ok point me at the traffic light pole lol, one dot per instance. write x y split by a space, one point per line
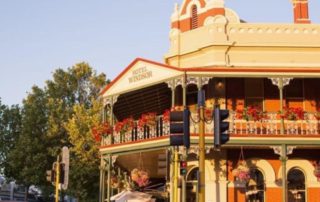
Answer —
201 192
183 174
57 179
185 153
176 174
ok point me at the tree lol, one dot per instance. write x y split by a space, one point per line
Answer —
28 157
85 155
47 117
10 128
73 108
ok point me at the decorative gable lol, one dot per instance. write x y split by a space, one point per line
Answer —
139 74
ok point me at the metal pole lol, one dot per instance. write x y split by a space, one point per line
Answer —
280 86
109 178
185 154
283 159
175 178
171 174
173 94
201 153
173 182
102 178
57 179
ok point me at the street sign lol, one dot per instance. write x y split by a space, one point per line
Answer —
65 161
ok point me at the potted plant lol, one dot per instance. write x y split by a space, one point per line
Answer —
102 130
140 179
241 172
124 126
292 113
251 113
166 116
147 119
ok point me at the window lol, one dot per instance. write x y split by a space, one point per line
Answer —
294 93
192 97
255 186
296 185
194 17
254 92
192 184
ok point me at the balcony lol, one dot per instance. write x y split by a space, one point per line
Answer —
270 125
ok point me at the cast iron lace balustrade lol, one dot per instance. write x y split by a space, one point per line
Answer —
270 125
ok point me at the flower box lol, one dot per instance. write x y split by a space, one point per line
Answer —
292 113
148 119
251 113
102 130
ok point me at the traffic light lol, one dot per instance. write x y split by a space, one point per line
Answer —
179 128
221 127
61 175
183 167
50 175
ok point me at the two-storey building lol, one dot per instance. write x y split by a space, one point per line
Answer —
266 75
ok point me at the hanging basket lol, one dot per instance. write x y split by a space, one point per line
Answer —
242 171
139 176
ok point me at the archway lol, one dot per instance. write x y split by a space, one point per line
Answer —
296 185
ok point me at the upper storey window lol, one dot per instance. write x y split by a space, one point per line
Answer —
194 17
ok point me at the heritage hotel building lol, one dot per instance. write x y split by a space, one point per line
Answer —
268 77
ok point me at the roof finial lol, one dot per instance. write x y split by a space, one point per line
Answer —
176 8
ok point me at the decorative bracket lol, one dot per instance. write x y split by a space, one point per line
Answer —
110 100
278 150
195 150
113 159
172 84
204 80
280 82
192 80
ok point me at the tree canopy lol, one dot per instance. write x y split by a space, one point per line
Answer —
59 114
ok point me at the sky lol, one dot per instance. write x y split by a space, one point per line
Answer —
39 36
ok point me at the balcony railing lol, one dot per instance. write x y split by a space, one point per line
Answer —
271 125
136 134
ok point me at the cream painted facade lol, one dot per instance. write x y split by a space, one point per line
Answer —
225 41
222 49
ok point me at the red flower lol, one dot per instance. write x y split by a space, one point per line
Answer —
254 113
148 119
118 126
292 113
208 113
166 116
101 130
124 125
